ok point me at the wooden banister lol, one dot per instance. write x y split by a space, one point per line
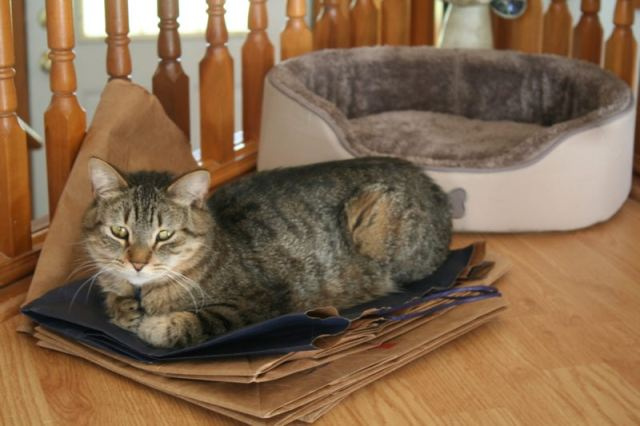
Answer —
422 22
117 25
523 33
170 82
621 48
587 35
15 199
65 121
364 23
257 60
216 89
331 29
395 22
556 35
297 38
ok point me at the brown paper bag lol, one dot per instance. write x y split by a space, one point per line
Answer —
288 399
139 137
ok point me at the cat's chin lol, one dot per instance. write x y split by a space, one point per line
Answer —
139 280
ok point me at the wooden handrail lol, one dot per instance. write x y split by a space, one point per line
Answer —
65 121
557 26
621 48
257 60
15 199
331 29
422 22
587 35
395 22
364 23
170 82
117 26
297 38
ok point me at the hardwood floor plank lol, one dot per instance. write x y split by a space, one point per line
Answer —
567 351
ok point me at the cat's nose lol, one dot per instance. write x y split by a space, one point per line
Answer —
137 266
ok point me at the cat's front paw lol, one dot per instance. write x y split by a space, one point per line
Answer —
176 329
126 313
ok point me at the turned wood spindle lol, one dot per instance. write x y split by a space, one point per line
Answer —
395 23
170 82
257 60
422 22
216 89
587 35
332 28
523 33
364 23
621 48
557 29
117 26
15 199
65 121
297 38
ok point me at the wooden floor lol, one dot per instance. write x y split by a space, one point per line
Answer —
566 352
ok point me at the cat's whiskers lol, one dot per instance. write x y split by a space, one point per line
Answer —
185 283
89 281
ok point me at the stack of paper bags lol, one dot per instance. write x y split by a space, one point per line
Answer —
131 131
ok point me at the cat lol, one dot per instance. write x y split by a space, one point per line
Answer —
176 267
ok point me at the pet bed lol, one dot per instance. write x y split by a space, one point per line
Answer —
530 142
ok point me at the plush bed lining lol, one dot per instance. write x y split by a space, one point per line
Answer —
451 108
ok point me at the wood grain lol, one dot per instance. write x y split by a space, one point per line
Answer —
65 121
216 89
556 36
257 60
117 26
170 82
565 352
524 33
15 197
395 22
296 38
331 29
587 35
422 22
621 49
364 23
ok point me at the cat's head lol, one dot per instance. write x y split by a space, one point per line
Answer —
146 227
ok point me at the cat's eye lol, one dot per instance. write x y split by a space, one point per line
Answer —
120 232
164 235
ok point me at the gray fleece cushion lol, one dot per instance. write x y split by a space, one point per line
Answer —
478 109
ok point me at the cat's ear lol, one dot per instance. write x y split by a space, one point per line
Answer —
191 188
105 179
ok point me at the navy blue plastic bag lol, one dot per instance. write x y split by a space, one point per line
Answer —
85 321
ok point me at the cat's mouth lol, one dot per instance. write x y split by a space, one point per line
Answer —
139 278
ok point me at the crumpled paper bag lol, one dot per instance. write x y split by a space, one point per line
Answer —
138 137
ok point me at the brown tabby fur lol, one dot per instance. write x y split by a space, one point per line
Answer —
338 233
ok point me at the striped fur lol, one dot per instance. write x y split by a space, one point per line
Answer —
338 234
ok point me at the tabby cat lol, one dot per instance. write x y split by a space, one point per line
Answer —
177 268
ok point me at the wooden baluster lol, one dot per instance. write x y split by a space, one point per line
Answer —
587 35
344 6
15 200
216 89
557 29
524 33
396 22
170 83
621 48
257 60
318 5
297 38
117 26
364 23
331 29
422 22
65 121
